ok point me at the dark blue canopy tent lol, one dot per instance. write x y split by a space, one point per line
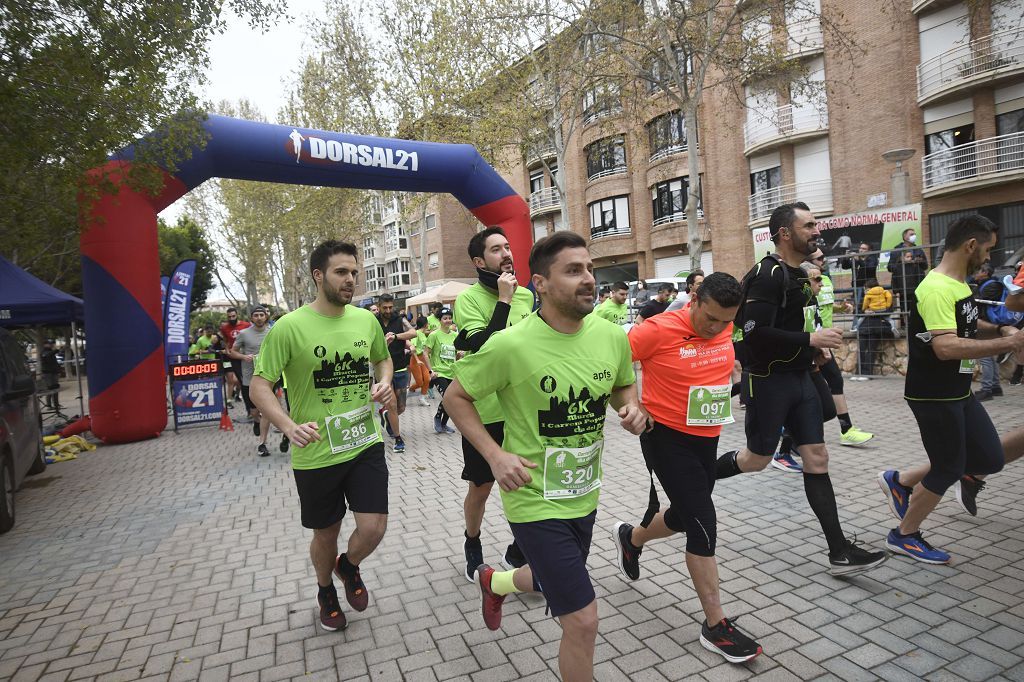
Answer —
26 301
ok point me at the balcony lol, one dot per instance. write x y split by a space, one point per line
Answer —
679 217
817 194
617 170
982 163
983 61
805 38
665 152
600 233
540 152
544 201
785 126
595 114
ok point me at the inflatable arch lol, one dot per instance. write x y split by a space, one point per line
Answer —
120 268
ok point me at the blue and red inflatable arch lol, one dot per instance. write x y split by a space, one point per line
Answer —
120 267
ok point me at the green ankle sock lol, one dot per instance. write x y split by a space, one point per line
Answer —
502 583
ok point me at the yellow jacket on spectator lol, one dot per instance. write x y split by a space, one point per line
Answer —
877 299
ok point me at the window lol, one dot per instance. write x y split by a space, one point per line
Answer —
376 209
600 100
536 180
1010 122
394 238
553 169
374 278
669 201
431 221
609 217
660 76
432 260
762 180
946 161
398 273
667 134
606 157
369 248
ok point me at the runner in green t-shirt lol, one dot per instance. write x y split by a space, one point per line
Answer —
554 374
945 336
614 307
325 350
850 435
441 356
434 318
201 348
494 303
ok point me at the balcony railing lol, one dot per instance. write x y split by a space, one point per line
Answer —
979 60
817 194
598 233
544 200
668 151
978 163
541 151
605 173
675 218
805 37
784 122
595 114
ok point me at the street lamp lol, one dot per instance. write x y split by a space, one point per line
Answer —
900 185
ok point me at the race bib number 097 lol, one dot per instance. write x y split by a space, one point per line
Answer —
709 406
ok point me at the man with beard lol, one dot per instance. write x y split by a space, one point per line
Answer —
946 337
397 331
325 350
495 302
229 331
779 391
614 307
554 373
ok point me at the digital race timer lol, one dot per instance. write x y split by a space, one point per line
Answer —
196 370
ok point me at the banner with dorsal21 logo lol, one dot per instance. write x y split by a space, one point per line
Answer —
177 308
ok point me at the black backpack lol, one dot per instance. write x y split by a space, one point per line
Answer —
741 320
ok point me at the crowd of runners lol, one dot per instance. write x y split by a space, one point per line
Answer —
527 377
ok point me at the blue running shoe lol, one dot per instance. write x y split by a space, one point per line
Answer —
399 445
915 547
438 428
898 496
786 463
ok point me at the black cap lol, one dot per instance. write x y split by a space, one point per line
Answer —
445 311
258 309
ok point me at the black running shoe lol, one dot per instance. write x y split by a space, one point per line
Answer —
726 639
629 556
331 616
514 557
262 450
853 560
256 427
967 489
285 443
474 557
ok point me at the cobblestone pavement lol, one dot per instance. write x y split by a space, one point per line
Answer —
183 558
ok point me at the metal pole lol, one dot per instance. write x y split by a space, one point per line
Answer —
78 369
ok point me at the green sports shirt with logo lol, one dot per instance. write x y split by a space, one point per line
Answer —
441 346
473 310
826 299
326 362
613 312
553 389
940 302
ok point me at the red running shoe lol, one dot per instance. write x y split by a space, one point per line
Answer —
491 603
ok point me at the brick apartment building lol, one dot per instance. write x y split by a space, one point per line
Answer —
943 81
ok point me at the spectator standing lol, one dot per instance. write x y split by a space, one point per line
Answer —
989 289
656 305
50 369
875 325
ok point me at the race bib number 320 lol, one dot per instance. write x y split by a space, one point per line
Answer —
351 430
709 406
571 472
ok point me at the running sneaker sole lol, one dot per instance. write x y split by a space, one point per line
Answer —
783 467
856 445
732 659
888 494
858 569
620 549
471 577
899 550
958 489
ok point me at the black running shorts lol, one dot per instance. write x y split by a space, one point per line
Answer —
959 438
833 376
782 399
246 399
557 550
475 468
236 368
361 483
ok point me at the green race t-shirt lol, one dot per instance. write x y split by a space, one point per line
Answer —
826 299
553 389
613 312
940 302
473 310
326 362
419 342
201 345
441 346
432 323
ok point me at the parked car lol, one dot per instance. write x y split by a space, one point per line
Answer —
21 438
652 287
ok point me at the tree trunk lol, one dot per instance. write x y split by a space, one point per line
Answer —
694 232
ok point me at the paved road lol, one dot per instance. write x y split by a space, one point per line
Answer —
183 558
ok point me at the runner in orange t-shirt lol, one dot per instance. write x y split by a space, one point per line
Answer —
687 360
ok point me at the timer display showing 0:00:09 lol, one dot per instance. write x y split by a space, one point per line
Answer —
192 370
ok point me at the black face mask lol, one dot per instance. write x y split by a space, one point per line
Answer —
487 278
